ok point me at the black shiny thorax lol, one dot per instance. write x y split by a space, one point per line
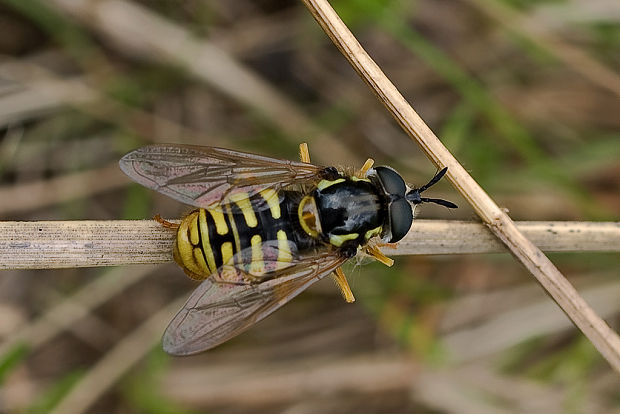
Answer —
348 206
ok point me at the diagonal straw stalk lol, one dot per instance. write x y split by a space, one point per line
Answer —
598 332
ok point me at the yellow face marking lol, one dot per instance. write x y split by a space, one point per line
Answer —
206 245
227 252
271 197
323 184
243 202
233 227
338 239
257 267
284 250
354 178
220 221
372 233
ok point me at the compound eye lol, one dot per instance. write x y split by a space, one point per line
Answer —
391 181
401 217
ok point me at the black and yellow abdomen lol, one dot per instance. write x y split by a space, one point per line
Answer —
256 234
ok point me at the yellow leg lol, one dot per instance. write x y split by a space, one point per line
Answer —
377 254
389 245
304 154
341 281
367 166
167 224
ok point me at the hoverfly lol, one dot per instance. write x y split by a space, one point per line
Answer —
265 229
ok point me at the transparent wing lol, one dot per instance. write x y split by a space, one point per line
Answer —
202 176
217 311
274 257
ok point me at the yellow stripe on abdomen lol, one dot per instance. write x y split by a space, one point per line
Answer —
243 202
220 221
206 245
227 253
257 266
199 259
194 238
284 250
233 227
187 252
273 201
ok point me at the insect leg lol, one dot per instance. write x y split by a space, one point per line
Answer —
167 224
379 256
390 245
304 154
367 166
341 281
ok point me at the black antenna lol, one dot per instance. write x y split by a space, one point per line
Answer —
414 197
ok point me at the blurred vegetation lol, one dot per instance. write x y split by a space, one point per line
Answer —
538 132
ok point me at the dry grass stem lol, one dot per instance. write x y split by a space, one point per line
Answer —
444 393
598 332
444 390
262 384
42 97
62 244
84 243
536 31
460 237
108 370
43 193
576 12
71 309
158 39
527 321
42 91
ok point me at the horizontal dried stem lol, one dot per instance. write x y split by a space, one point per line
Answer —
62 244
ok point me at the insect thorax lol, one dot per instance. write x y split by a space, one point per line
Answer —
350 211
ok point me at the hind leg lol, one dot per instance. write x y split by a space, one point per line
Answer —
167 224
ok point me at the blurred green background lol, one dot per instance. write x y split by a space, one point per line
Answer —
526 95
